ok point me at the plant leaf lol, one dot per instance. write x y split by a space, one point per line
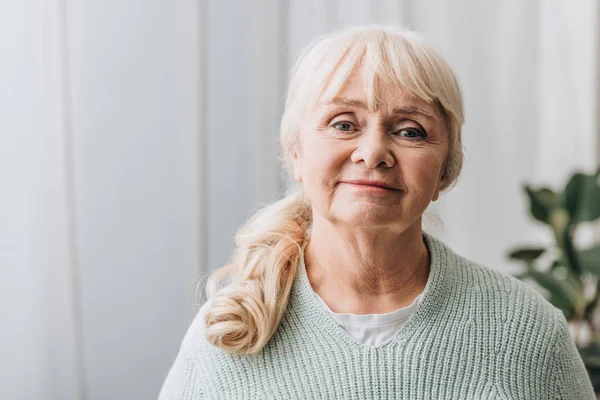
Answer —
591 354
526 254
591 358
541 202
589 259
561 295
581 198
557 263
569 253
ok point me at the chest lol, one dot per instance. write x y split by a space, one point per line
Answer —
415 370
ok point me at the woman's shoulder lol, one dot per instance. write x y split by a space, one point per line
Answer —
202 312
512 298
524 329
483 287
194 340
197 328
196 346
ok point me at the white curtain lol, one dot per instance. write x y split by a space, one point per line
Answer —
39 346
135 137
101 195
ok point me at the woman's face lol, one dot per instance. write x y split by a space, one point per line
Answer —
403 144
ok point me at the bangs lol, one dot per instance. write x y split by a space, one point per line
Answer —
379 60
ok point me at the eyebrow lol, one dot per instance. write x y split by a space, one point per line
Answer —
407 110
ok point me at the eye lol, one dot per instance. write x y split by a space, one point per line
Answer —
413 133
343 126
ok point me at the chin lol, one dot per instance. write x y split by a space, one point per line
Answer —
372 218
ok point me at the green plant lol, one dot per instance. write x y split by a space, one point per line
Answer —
571 269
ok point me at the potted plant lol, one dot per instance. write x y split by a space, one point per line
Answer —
567 278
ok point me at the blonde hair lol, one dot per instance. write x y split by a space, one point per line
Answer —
244 314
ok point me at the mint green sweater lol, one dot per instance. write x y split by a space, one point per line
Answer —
477 334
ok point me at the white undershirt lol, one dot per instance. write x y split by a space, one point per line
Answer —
373 329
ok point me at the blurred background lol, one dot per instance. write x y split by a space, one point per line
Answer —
137 136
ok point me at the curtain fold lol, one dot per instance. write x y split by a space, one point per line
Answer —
66 370
38 284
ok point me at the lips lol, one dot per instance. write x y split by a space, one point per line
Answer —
379 184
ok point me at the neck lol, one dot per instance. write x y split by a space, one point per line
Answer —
363 272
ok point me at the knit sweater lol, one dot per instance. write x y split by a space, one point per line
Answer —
476 334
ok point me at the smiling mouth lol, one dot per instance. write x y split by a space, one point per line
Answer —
371 188
371 183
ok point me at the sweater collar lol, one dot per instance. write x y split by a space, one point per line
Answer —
304 301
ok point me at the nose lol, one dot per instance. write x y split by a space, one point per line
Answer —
373 148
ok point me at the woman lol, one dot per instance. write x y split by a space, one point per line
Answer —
335 291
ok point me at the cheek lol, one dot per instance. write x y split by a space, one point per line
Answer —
322 158
422 170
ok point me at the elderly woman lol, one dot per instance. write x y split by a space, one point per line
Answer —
335 291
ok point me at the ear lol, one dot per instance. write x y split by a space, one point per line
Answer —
297 167
436 194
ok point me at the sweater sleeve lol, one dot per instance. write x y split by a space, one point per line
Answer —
569 379
183 381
